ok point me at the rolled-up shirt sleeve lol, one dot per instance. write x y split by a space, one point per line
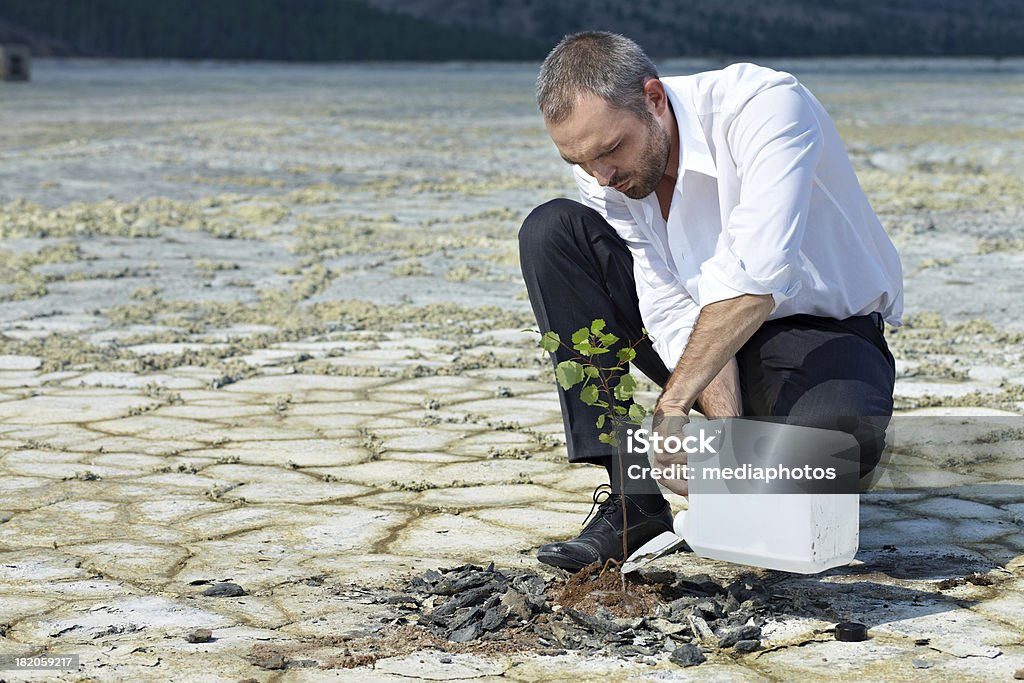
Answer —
775 140
667 310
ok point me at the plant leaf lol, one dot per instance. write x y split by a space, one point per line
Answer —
600 421
620 410
597 326
625 388
584 348
608 339
588 394
569 373
591 371
637 413
550 341
625 355
580 335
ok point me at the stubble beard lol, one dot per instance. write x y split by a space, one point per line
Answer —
653 160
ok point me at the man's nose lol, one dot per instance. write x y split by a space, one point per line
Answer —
604 174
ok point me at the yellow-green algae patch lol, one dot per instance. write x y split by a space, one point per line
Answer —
917 191
894 135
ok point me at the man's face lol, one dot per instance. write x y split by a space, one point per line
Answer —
616 147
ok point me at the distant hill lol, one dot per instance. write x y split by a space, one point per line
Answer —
671 28
291 30
341 30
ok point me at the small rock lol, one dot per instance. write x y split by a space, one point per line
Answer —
744 646
503 392
531 584
466 633
700 583
200 635
687 655
1018 675
593 624
224 590
516 604
271 661
701 631
662 576
709 610
921 663
979 579
445 659
464 616
667 627
493 618
731 636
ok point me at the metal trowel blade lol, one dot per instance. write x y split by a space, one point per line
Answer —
658 546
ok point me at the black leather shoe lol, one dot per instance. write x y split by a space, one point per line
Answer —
601 540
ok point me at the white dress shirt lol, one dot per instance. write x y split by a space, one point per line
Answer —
765 202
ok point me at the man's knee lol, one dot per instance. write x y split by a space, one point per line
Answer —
863 412
551 223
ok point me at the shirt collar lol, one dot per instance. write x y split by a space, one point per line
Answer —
694 153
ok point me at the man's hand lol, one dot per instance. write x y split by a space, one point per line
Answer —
670 422
707 369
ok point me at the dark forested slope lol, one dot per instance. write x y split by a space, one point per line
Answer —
317 30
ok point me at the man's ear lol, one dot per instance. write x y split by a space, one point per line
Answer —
657 98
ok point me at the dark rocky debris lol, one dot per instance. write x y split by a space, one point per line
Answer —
687 619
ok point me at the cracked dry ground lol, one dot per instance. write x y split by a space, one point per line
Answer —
124 504
284 355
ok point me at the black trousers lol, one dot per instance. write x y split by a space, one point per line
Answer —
807 369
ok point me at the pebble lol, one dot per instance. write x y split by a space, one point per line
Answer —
1018 675
744 646
921 663
271 662
466 633
200 635
729 637
224 590
687 655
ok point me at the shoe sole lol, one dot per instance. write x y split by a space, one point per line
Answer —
560 561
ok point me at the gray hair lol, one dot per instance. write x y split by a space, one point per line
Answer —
608 65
